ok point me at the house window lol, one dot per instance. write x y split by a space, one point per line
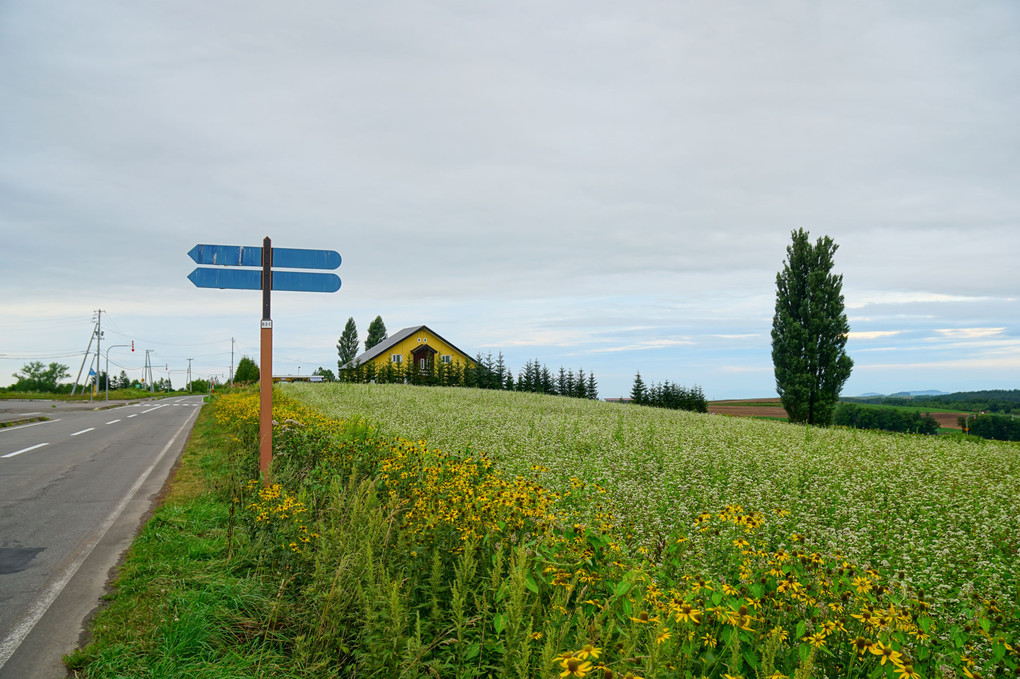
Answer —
446 359
396 358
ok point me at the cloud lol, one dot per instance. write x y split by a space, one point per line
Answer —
915 297
872 334
970 333
649 344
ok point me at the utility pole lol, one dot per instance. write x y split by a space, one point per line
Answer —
147 371
88 352
189 374
99 339
231 361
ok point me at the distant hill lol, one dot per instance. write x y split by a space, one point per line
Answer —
903 394
991 401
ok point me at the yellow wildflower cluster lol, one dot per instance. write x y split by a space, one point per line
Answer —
240 412
466 494
734 514
281 513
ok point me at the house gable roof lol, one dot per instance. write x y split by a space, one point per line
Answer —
395 339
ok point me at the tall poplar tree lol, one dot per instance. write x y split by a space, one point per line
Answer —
347 347
809 331
376 333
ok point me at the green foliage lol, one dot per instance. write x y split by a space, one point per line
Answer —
326 373
638 393
34 376
674 397
998 427
347 346
809 331
247 371
376 333
356 560
887 419
1003 401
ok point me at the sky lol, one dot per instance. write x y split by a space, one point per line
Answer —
597 185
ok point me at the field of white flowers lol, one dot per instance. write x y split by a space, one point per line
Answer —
939 514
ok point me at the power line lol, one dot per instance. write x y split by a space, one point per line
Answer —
68 354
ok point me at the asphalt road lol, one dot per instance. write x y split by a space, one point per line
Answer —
73 491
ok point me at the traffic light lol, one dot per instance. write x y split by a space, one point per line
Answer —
132 345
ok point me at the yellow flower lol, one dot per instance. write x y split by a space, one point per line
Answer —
886 653
777 675
663 636
574 667
643 617
817 639
687 613
588 651
906 671
862 645
861 584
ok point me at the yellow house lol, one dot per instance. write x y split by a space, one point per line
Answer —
418 346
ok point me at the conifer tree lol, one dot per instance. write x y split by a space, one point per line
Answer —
809 331
376 333
347 346
638 393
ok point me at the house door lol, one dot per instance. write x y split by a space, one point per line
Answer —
421 357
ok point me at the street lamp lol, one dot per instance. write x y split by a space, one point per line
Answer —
107 385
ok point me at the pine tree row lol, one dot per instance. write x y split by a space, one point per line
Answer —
482 373
668 395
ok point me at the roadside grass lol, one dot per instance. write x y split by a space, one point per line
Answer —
547 538
181 605
23 420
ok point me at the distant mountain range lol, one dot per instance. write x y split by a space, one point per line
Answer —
904 394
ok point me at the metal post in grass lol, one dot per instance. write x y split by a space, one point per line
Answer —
242 274
266 362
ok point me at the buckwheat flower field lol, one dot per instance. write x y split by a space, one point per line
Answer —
936 514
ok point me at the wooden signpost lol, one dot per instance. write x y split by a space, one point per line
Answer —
265 278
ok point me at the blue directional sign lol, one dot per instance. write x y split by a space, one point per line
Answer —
287 258
251 279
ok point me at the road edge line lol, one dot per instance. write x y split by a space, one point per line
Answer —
38 609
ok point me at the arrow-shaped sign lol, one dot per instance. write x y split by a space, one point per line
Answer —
251 279
287 258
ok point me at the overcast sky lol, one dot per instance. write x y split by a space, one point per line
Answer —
600 185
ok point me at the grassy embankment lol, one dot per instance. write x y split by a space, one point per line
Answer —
593 539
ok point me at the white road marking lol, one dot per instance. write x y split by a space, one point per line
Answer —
82 431
39 607
162 405
22 426
25 450
113 421
133 415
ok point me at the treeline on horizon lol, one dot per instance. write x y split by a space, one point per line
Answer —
1004 401
668 395
484 372
886 419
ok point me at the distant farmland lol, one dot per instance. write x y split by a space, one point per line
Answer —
751 407
772 408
